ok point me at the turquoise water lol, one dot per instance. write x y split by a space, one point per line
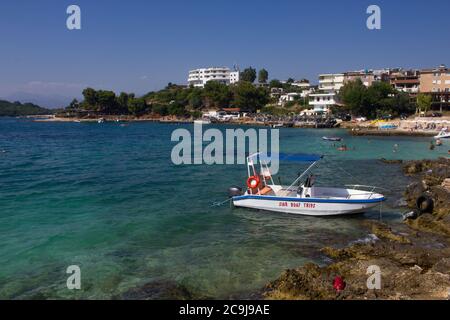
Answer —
108 198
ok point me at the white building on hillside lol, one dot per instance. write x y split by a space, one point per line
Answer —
322 102
303 84
331 82
199 77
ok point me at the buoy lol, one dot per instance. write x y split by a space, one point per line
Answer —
253 182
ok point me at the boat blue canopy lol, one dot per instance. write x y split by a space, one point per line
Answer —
293 157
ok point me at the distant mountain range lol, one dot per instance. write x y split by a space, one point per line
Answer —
47 101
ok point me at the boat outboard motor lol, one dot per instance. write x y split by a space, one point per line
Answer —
235 191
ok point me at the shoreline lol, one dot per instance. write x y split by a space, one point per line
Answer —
355 129
414 259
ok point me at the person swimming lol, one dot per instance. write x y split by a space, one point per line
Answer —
431 145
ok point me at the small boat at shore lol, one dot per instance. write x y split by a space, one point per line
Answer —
202 121
101 120
443 134
332 138
302 196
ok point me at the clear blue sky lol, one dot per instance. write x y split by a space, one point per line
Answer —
138 46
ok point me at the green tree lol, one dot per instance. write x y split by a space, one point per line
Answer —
160 109
177 109
423 102
136 106
122 102
275 83
196 98
217 94
74 104
353 95
263 75
90 98
249 98
106 101
249 75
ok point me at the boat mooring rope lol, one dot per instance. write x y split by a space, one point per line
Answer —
220 203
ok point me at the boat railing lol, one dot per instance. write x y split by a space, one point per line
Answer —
372 188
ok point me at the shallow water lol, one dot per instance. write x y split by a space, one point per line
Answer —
108 198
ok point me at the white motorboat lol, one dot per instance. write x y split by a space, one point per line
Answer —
443 134
302 196
332 138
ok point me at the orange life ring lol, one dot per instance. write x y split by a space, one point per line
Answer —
253 182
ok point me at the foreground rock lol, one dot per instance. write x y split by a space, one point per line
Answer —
414 262
430 181
409 270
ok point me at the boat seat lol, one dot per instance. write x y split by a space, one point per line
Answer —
265 190
283 193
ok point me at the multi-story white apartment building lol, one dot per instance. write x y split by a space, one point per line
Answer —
331 82
329 86
322 102
199 77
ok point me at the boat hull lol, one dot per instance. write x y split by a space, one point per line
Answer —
306 206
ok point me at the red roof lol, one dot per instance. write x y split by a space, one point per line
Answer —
232 109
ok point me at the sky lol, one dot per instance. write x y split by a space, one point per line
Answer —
140 46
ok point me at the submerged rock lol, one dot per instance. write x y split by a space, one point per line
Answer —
387 161
158 290
383 231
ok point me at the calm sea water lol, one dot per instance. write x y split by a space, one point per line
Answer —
108 198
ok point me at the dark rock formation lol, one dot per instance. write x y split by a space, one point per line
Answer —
429 180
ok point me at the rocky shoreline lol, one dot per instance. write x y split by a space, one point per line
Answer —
355 129
414 260
393 132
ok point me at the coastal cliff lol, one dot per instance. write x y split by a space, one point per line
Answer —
414 260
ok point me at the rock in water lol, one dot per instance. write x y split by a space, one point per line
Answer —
158 290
